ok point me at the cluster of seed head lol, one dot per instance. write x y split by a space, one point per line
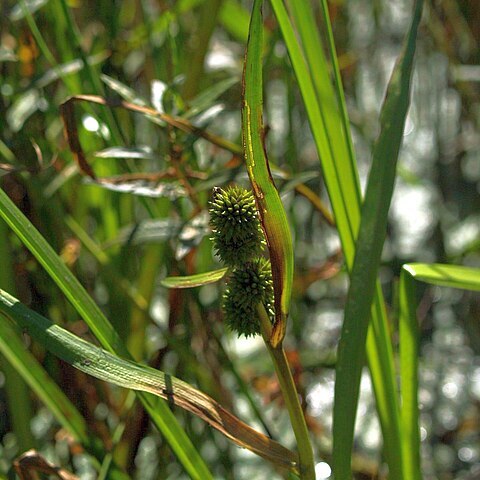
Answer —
237 235
238 241
247 287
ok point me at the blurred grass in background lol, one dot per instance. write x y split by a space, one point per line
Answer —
184 58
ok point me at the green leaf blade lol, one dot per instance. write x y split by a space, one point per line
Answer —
371 236
161 415
272 214
128 374
453 276
26 365
341 179
196 280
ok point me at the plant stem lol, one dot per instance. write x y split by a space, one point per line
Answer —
290 396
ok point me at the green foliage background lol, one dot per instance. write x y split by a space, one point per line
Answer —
147 221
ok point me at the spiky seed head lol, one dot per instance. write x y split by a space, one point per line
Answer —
237 235
247 287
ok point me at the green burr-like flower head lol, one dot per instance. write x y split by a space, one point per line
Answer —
247 287
237 235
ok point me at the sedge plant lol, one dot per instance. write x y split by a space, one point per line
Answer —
248 301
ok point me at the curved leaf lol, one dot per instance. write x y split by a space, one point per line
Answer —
126 152
125 373
146 231
103 330
272 214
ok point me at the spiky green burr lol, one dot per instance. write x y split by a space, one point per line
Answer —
247 287
237 234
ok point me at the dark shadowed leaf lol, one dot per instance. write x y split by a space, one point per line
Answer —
192 234
68 68
160 414
23 108
205 99
125 92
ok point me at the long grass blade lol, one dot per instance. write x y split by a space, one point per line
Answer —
409 334
161 415
371 236
435 274
27 366
338 166
341 179
128 374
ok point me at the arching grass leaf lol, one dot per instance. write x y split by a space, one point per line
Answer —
159 412
125 373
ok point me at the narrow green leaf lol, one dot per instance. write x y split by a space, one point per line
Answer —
371 236
235 19
337 138
26 365
17 12
123 90
338 166
125 373
60 273
297 179
337 81
107 268
435 274
341 179
196 280
103 330
68 68
409 335
454 276
146 231
272 213
22 109
207 15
